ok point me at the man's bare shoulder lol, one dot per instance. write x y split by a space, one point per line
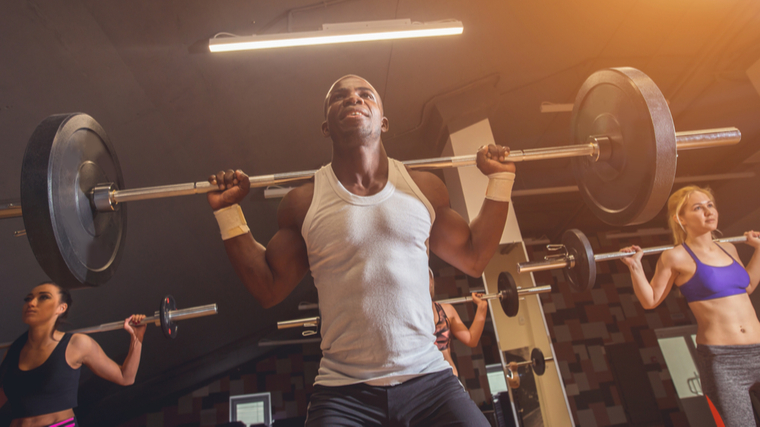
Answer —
432 187
294 206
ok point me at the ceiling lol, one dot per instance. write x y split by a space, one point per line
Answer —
176 114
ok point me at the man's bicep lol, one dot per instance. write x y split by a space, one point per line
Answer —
287 258
450 238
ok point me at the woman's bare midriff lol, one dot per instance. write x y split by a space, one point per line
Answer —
726 321
43 420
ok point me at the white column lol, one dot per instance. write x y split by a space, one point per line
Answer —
467 187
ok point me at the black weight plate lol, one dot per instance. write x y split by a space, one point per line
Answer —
583 274
510 300
633 185
168 327
75 245
539 363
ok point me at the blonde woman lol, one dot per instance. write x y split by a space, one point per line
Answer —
717 286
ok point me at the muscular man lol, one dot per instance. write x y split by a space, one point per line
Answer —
363 227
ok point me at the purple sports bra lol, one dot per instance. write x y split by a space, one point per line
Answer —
710 282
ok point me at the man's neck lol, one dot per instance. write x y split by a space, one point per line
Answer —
363 170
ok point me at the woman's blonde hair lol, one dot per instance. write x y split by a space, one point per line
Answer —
676 203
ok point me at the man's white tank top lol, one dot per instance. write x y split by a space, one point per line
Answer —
369 259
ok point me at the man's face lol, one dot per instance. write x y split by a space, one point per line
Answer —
353 107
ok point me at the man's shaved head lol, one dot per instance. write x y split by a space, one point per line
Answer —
350 76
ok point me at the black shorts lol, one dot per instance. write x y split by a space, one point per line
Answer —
436 399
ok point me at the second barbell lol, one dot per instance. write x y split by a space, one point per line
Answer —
508 295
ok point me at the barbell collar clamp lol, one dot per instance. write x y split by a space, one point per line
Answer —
101 197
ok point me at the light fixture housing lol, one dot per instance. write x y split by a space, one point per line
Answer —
340 33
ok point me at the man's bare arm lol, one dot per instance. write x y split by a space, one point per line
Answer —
269 273
468 247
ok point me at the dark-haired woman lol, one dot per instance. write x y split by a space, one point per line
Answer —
717 286
40 372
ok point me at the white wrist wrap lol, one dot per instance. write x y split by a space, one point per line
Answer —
500 186
231 221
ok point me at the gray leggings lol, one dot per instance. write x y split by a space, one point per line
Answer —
727 373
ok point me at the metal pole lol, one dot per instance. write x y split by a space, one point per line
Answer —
688 140
659 249
520 292
706 138
200 187
10 209
307 322
546 264
312 322
530 362
183 314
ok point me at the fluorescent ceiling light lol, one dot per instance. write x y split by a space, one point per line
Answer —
340 33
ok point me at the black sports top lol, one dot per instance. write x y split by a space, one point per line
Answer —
50 387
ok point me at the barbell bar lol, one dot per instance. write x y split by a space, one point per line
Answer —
73 194
537 361
106 197
165 318
578 260
509 296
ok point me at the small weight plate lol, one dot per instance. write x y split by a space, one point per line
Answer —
582 275
633 184
75 245
539 363
510 300
168 327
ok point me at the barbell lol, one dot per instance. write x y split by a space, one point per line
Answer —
508 294
164 317
537 362
73 197
578 261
